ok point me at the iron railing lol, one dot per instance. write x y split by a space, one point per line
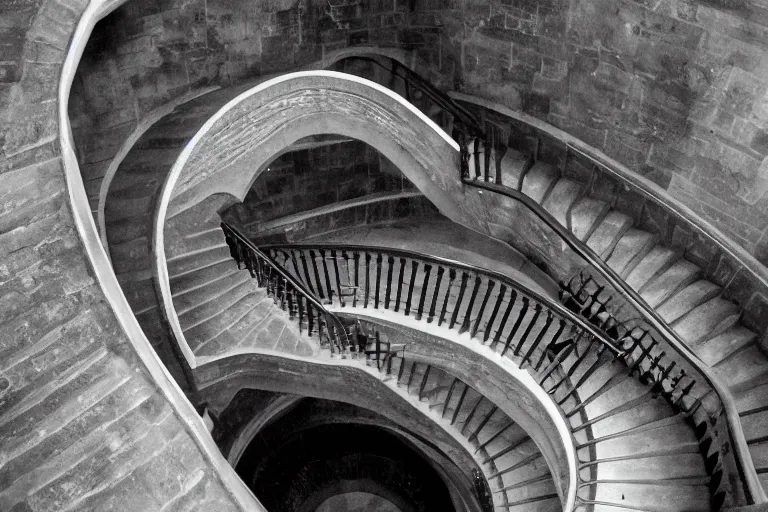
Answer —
288 293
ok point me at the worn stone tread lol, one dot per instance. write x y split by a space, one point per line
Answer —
563 196
707 320
687 299
656 261
587 213
539 180
630 249
607 234
671 280
725 344
514 165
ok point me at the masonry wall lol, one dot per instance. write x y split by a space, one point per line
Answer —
675 89
303 180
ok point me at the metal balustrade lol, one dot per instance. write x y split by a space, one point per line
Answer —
558 347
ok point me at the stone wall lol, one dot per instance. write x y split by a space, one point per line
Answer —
83 423
303 180
673 88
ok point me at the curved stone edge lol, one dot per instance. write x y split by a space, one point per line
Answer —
170 193
102 269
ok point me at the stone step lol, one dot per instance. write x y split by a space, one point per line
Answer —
744 370
655 262
204 257
663 495
670 281
561 199
607 234
687 299
236 287
707 320
539 180
192 280
514 166
207 291
631 248
724 345
586 215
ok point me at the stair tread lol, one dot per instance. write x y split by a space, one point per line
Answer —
759 452
607 234
632 246
687 299
637 496
654 262
755 425
514 165
188 282
725 344
538 180
707 320
743 367
586 215
678 275
208 291
559 201
752 397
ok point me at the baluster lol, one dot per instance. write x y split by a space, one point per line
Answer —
424 289
459 404
496 307
300 305
400 284
327 276
457 306
424 380
538 339
313 258
379 258
390 264
516 326
444 309
524 337
310 318
449 396
476 157
468 313
414 269
339 294
440 272
356 257
367 278
504 318
304 266
483 305
552 342
296 268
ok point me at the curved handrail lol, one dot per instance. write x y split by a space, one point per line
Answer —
735 430
237 242
642 185
552 304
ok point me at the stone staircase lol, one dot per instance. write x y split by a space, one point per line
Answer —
634 446
691 305
511 462
694 307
